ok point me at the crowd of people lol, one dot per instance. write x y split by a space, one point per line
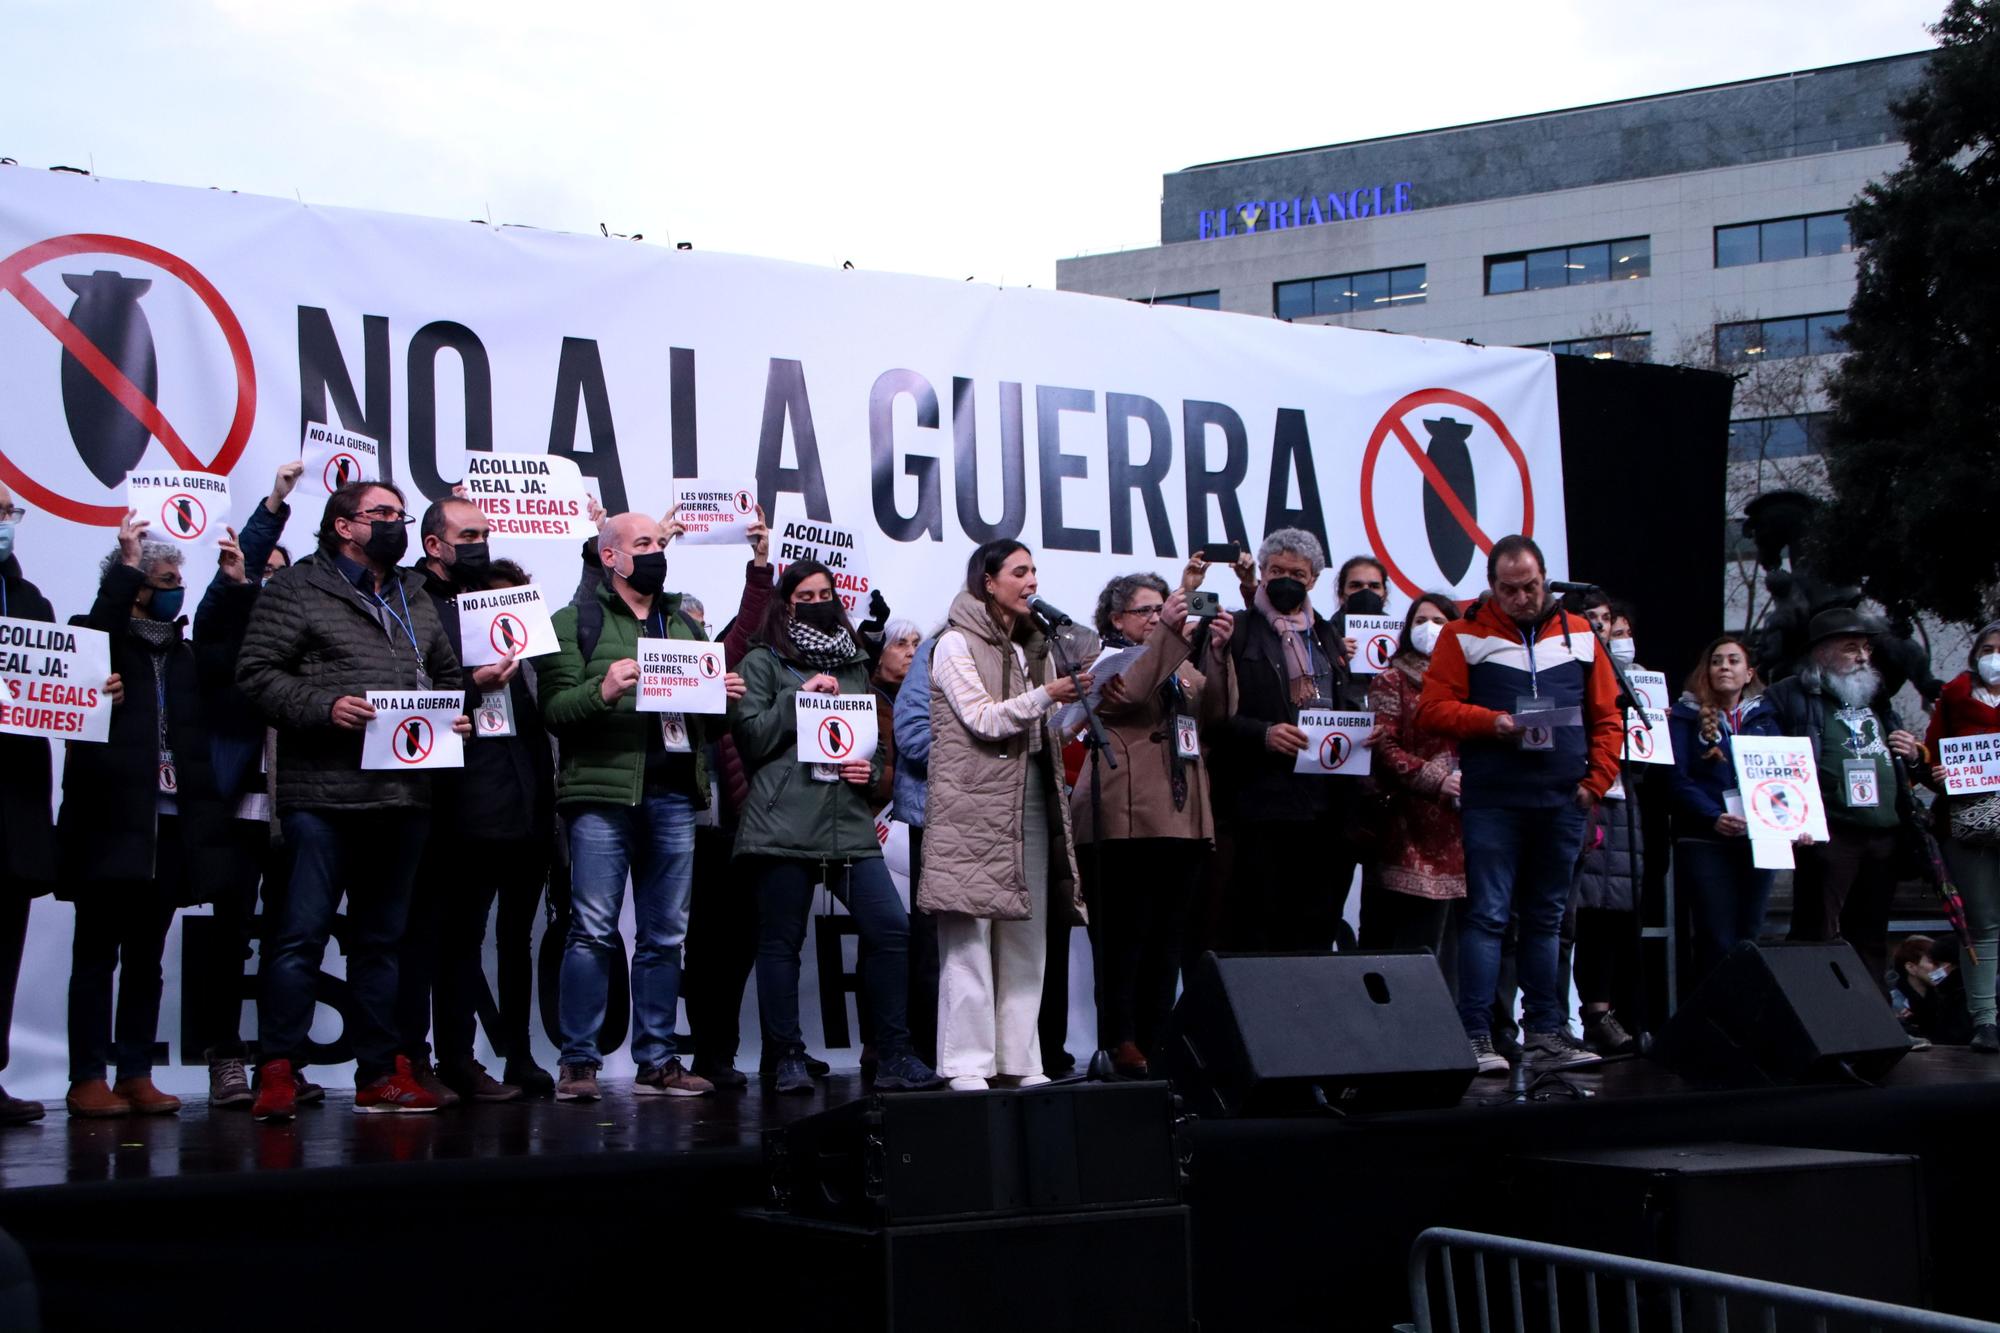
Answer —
1497 828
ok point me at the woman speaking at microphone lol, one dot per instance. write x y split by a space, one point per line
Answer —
997 847
808 822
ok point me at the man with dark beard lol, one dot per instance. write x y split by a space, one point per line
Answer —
1842 888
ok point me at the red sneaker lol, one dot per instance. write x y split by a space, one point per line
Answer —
395 1092
277 1095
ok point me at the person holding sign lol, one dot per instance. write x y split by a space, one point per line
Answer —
1842 890
1141 867
27 841
998 856
1294 864
1714 873
325 633
143 829
808 821
1528 694
1969 705
499 806
1422 871
628 787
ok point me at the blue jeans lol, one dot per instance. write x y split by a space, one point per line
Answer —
655 841
1516 862
1725 894
371 857
784 903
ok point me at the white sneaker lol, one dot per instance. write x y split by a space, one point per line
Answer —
1490 1060
1557 1049
968 1085
1031 1080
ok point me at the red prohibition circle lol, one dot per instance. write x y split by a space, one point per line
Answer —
1642 742
415 732
1334 749
13 279
710 668
503 625
193 512
1389 423
744 503
332 472
1381 648
829 744
1795 817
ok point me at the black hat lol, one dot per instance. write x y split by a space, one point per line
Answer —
1838 622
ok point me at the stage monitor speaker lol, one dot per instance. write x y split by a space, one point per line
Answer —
1784 1013
932 1156
1298 1034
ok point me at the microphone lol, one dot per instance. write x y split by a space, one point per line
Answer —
1564 589
1049 616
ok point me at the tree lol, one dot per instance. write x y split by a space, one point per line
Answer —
1913 448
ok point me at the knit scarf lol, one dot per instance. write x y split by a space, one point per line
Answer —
158 636
821 650
1292 630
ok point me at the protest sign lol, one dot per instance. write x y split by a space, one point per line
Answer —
334 457
503 624
838 548
529 495
1334 742
1375 639
678 676
1647 741
189 509
1649 688
53 679
1779 784
413 730
713 513
836 728
1969 765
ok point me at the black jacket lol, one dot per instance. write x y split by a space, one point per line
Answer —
1259 785
1802 712
111 792
507 789
314 638
235 727
27 839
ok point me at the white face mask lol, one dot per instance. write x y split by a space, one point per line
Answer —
1624 651
1989 668
1424 636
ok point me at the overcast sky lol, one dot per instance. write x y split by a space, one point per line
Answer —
954 140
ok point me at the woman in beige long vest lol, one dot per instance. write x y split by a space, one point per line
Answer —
997 845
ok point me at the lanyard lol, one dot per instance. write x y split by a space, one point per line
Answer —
1534 683
405 620
160 696
3 598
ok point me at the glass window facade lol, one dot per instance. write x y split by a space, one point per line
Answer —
1782 238
1196 300
1756 340
1351 293
1569 265
1761 438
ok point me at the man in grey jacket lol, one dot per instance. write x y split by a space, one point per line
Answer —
342 622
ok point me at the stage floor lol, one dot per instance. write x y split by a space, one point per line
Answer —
63 1149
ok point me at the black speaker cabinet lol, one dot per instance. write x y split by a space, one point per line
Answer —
1784 1013
929 1156
1050 1272
1832 1221
1289 1034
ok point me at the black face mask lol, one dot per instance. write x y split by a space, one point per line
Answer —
822 616
649 573
470 562
1287 595
386 542
1366 602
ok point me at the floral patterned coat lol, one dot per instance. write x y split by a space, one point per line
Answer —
1422 851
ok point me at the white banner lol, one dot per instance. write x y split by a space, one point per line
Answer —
414 730
53 680
842 550
836 728
713 513
679 676
1334 743
502 624
188 509
333 458
926 415
1968 765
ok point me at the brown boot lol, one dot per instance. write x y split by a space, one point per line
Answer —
426 1076
145 1098
95 1099
1129 1061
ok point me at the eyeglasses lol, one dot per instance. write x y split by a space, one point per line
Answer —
1149 612
385 514
12 514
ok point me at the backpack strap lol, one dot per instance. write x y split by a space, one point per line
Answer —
589 627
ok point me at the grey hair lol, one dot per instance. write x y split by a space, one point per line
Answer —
1972 653
902 627
150 553
1118 593
1294 541
692 605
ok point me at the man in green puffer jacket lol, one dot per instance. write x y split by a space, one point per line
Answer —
627 787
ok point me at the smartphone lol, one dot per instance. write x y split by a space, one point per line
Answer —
1219 553
1204 605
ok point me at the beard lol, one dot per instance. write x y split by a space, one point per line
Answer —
1854 687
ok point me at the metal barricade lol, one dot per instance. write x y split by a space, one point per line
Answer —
1623 1295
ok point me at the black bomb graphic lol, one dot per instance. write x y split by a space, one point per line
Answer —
108 438
1450 542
